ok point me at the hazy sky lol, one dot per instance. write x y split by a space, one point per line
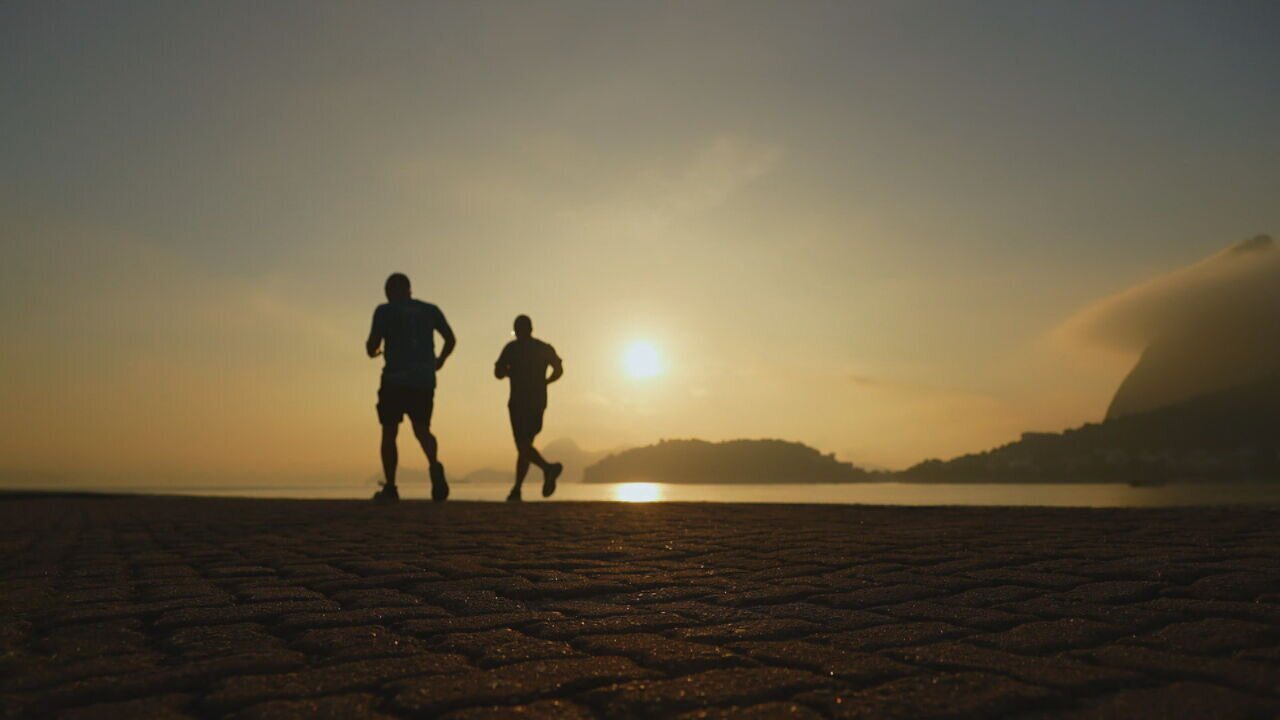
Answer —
852 225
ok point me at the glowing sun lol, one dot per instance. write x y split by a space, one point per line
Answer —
642 360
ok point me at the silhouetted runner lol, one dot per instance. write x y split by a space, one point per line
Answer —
408 328
525 361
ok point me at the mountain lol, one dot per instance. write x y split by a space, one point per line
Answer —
735 461
1188 365
1207 328
1231 434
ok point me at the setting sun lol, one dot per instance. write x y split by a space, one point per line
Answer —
642 360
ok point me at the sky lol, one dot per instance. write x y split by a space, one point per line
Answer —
861 226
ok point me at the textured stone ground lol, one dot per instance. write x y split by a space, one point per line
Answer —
281 609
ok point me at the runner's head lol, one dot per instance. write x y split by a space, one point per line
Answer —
397 286
523 326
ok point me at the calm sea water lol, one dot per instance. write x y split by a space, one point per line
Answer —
1062 495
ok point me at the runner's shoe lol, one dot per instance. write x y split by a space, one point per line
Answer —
549 478
514 496
387 495
439 486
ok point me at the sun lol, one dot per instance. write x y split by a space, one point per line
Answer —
642 360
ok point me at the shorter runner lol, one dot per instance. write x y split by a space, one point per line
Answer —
525 361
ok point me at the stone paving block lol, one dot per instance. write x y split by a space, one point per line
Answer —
703 612
1215 636
826 618
474 623
1243 674
1195 609
362 616
661 698
1114 591
541 710
958 615
179 677
358 642
107 594
238 571
237 692
588 608
40 672
1188 701
188 617
925 577
277 593
376 567
930 697
562 590
1052 635
473 602
1237 586
856 668
1265 654
375 598
874 597
989 596
335 707
94 639
160 707
764 711
401 581
170 590
1030 578
1052 672
129 610
661 653
772 595
673 594
215 640
575 627
503 647
892 635
1132 617
512 684
762 629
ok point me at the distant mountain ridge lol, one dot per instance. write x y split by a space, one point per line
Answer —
730 462
1228 435
1231 434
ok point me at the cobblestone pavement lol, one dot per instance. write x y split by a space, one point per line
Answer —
169 607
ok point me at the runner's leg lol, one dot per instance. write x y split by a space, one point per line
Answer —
390 456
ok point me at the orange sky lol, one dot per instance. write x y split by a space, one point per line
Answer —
854 227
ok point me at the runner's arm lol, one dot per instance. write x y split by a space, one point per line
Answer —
557 369
502 368
372 345
450 341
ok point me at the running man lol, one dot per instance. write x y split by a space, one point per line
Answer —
525 360
407 327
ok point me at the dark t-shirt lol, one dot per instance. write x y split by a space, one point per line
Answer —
408 328
525 362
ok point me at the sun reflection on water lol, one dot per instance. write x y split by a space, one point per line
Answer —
637 492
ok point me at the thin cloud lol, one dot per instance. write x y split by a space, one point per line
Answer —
1235 291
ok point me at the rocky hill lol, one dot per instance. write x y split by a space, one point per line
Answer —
734 461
